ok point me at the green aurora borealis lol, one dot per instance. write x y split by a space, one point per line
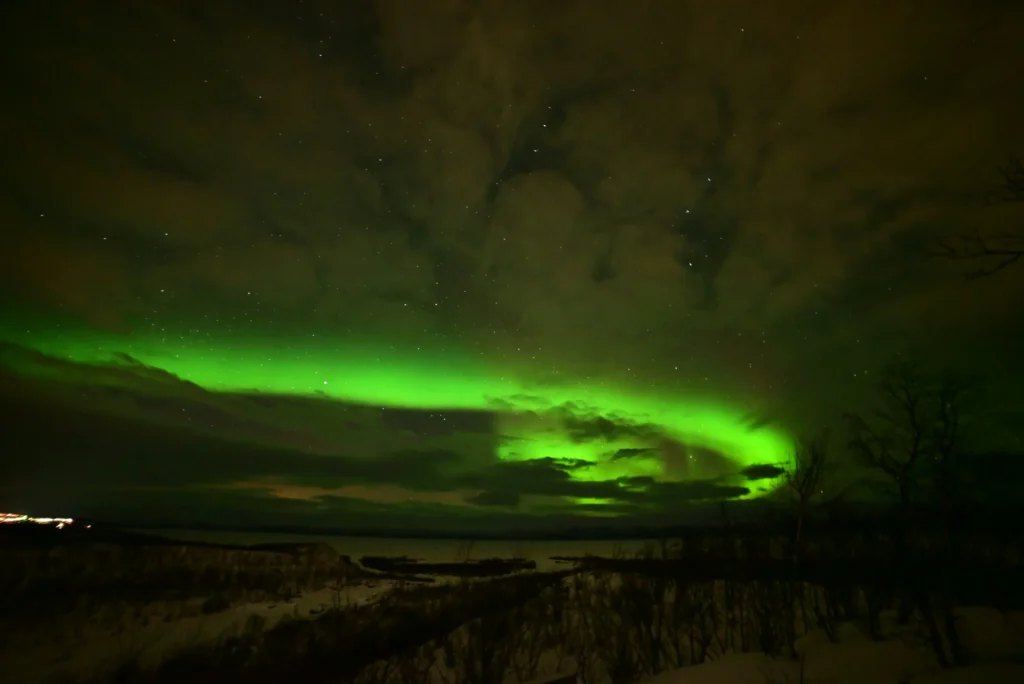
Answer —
718 441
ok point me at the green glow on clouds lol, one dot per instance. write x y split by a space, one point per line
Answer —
529 421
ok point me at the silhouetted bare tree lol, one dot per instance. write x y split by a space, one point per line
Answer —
803 480
949 450
914 433
995 251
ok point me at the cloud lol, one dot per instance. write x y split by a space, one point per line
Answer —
631 453
117 452
722 169
497 499
510 481
673 200
107 430
587 428
762 472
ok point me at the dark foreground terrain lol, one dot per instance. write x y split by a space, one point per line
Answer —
678 603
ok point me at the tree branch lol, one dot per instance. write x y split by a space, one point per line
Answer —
971 245
804 479
999 251
1013 182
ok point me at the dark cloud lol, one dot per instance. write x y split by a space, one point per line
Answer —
762 472
546 477
699 174
498 499
586 428
675 493
631 453
75 448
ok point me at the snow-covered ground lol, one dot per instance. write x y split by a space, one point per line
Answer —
994 642
151 634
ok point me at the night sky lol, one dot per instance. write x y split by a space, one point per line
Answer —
478 265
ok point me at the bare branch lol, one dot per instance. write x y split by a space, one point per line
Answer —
970 245
1013 181
917 420
804 479
998 251
804 482
868 446
948 436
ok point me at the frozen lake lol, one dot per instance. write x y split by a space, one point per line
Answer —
430 550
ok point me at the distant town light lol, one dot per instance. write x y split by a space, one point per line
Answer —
22 518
